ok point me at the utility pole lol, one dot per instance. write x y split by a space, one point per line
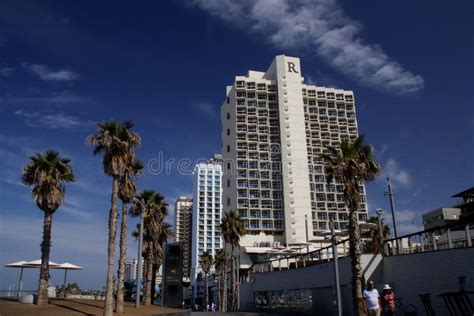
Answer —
139 275
306 227
336 269
392 206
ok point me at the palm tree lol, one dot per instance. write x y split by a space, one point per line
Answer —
206 264
47 174
232 228
127 190
220 263
154 210
116 142
353 163
374 245
165 235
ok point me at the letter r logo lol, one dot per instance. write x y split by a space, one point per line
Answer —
291 67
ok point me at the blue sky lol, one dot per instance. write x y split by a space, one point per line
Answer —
165 65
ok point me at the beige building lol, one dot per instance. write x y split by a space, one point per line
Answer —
275 127
183 228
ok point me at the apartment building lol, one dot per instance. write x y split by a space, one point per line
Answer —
275 128
183 229
207 211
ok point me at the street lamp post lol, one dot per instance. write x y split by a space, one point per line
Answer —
306 227
336 269
392 206
139 276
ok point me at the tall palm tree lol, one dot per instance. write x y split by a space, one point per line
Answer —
353 163
47 174
117 143
220 263
127 190
232 228
165 234
206 264
154 210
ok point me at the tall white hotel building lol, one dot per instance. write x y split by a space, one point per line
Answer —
275 128
207 211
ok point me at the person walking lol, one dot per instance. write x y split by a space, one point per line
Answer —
388 301
371 300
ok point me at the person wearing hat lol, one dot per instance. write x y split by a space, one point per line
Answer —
388 301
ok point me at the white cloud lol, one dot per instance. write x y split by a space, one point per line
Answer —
382 150
6 71
322 27
408 221
48 74
207 109
48 119
398 175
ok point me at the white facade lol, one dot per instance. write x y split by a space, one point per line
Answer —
275 128
207 211
131 267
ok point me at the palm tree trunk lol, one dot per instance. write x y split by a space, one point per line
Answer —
355 253
144 275
232 280
45 250
219 292
224 294
153 282
205 292
109 290
123 251
149 273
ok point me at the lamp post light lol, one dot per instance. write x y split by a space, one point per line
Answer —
336 269
306 227
392 206
139 275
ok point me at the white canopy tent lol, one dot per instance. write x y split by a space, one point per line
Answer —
37 264
66 266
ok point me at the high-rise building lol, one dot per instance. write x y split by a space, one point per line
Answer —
183 209
207 211
275 128
131 267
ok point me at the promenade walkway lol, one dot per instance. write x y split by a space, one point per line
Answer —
70 307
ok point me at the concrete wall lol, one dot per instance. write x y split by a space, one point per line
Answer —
430 272
409 275
319 278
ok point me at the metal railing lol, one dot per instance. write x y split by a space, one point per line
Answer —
300 260
454 235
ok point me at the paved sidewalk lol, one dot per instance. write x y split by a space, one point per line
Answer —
70 307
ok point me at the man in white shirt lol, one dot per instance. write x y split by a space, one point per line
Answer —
371 300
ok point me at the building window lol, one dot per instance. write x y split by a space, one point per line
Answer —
228 115
228 166
228 148
228 201
228 183
228 100
228 131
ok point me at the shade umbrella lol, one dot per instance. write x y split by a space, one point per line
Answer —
27 265
37 264
66 266
18 264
